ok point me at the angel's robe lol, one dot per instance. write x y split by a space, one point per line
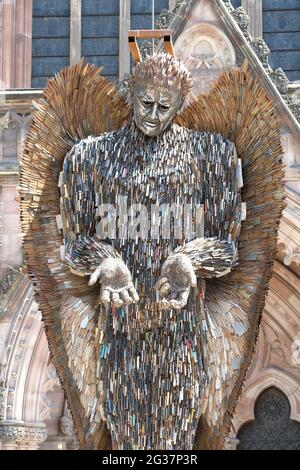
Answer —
152 364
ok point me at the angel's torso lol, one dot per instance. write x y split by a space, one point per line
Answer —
153 192
125 168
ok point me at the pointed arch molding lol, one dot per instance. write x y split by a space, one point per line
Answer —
15 43
273 378
289 239
21 334
22 323
276 362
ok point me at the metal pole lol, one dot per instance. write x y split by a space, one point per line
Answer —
153 22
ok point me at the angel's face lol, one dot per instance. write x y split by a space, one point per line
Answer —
155 107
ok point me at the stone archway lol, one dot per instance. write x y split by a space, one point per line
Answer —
275 363
33 413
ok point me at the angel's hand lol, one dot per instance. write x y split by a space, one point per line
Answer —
177 277
116 283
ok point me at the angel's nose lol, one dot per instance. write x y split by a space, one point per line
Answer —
153 114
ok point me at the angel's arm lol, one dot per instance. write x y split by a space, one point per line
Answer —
216 253
84 253
78 205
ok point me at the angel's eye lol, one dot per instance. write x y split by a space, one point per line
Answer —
147 103
164 107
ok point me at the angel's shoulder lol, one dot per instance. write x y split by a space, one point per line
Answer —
90 142
84 154
89 148
209 139
211 145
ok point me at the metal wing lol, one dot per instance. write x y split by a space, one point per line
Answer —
238 108
76 103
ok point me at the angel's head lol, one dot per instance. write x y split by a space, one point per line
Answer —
158 86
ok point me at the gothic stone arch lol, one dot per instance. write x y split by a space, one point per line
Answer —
272 428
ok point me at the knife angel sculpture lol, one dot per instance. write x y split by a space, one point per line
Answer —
150 232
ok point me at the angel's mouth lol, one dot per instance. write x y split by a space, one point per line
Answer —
151 124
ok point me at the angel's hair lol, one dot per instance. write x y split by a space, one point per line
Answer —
162 69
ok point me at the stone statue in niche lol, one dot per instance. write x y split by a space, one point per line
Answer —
153 305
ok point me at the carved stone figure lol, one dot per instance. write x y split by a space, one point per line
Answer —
150 291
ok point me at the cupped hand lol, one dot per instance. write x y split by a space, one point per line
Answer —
177 278
116 283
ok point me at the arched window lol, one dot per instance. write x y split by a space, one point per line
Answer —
272 428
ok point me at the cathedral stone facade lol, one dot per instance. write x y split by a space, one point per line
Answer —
37 39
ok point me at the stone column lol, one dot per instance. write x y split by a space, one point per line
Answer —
124 26
23 43
75 31
254 11
7 43
3 396
15 43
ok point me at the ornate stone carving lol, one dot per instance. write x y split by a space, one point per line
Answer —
181 4
28 435
231 443
278 76
294 103
146 48
295 350
280 79
206 51
123 85
242 20
292 256
295 108
288 244
3 395
71 444
8 279
13 119
262 51
49 408
295 96
66 429
164 19
228 4
66 426
6 284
